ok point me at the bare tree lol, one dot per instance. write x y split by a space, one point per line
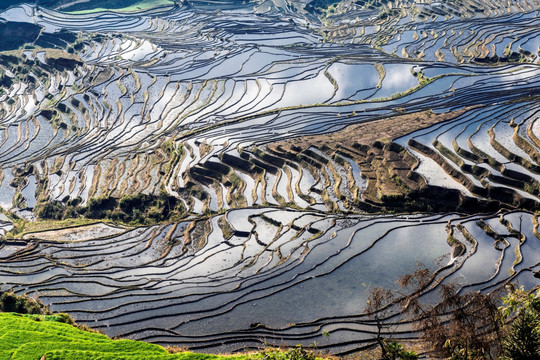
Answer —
378 302
459 326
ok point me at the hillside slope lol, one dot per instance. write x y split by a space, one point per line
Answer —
44 337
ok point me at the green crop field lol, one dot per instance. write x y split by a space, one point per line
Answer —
43 337
29 337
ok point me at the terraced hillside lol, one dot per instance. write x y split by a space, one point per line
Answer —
40 337
260 166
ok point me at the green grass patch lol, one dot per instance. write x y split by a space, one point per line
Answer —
37 337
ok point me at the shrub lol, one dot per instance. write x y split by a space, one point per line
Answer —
97 207
523 339
9 302
136 209
53 210
297 353
397 351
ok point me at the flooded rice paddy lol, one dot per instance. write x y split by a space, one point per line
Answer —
276 246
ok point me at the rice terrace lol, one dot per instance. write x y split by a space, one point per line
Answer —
227 175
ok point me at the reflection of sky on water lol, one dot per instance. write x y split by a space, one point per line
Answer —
316 90
398 79
406 38
354 79
532 45
347 275
7 192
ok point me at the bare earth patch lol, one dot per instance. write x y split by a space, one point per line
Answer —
387 166
383 130
77 234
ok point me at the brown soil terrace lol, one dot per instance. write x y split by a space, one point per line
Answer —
388 167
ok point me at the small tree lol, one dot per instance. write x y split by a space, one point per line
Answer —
523 339
459 326
381 306
378 302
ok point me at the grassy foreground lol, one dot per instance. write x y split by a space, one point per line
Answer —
43 337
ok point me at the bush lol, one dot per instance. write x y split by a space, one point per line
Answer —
53 210
9 302
297 353
395 351
136 209
70 212
130 202
97 207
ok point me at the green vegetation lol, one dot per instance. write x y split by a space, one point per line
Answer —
50 337
135 209
43 337
9 302
523 339
297 353
22 226
396 351
320 6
